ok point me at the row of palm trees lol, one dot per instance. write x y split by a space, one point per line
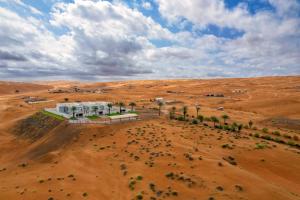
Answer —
109 105
200 117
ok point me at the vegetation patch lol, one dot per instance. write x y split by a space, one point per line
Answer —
58 117
93 117
36 126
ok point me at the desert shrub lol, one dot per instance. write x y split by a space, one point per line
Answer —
170 175
139 196
152 186
180 118
278 140
266 137
265 130
238 188
233 128
205 124
174 193
260 146
256 135
276 133
85 194
291 143
194 121
226 127
255 128
295 137
139 178
287 136
131 184
246 127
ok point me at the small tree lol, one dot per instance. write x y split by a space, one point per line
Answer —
109 105
66 99
160 104
201 118
132 104
197 109
121 104
214 120
225 117
95 109
184 110
250 123
73 110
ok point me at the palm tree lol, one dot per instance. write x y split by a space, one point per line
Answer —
73 110
109 105
95 108
121 104
160 104
250 123
197 109
132 104
184 110
172 112
214 120
225 117
240 126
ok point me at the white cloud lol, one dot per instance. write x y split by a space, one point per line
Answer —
146 5
109 40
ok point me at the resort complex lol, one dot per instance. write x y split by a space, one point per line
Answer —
85 112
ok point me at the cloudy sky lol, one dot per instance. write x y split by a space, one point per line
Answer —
101 40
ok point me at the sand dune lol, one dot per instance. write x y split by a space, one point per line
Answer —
159 158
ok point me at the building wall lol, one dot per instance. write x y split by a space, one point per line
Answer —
84 108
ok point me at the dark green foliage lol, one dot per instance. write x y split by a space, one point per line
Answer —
200 118
265 130
194 121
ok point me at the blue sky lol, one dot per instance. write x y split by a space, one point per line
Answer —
148 39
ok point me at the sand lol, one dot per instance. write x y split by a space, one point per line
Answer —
155 158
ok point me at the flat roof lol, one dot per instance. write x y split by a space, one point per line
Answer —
123 116
83 103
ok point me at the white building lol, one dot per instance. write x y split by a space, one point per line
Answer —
85 108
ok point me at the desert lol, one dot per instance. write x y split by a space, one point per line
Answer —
155 157
150 99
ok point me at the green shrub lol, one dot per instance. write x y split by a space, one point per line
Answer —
276 133
180 118
291 143
256 135
287 136
265 130
194 121
260 146
266 137
226 128
200 118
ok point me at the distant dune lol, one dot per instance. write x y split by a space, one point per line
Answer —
44 158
